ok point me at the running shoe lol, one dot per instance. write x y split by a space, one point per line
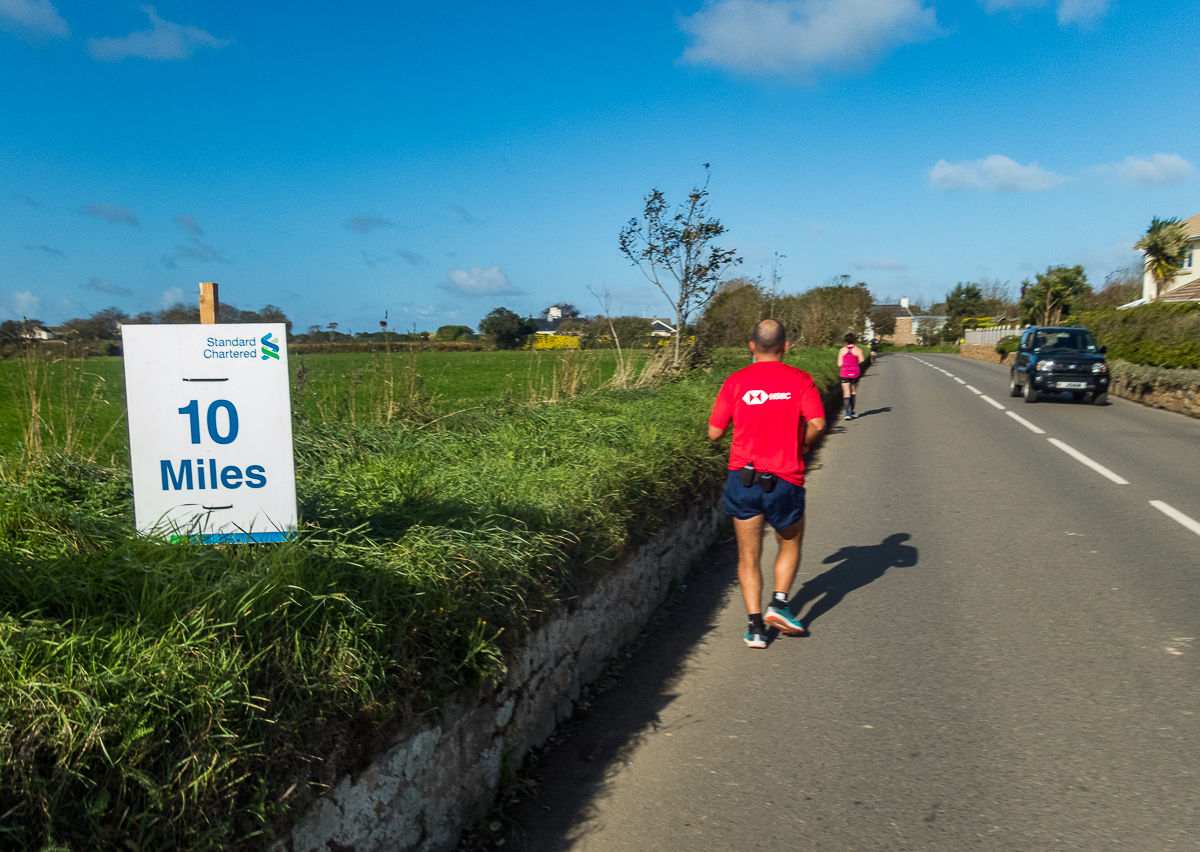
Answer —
787 623
755 640
849 417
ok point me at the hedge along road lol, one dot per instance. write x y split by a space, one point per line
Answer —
1003 654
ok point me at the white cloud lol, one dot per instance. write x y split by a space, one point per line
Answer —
164 41
33 19
478 282
363 224
188 223
110 213
103 285
170 296
1155 171
996 173
800 37
25 303
883 263
1082 12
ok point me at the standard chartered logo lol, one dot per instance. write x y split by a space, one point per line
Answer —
270 349
758 397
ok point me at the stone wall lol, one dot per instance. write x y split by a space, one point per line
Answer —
1158 395
421 792
983 352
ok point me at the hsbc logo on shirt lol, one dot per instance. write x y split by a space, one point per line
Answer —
757 397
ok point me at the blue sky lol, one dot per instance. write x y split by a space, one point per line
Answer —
438 160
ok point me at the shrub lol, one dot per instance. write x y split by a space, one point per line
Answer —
1162 334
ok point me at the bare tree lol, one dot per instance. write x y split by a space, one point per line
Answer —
675 252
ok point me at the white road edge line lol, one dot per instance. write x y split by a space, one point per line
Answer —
1176 515
960 381
1017 417
991 402
974 390
1094 465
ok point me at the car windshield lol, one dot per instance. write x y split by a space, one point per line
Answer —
1064 340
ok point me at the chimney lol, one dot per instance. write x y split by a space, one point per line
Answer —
904 302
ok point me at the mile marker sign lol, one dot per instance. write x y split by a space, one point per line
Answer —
210 431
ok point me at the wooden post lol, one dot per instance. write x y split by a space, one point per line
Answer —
210 306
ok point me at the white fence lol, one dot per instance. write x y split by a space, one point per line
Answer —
989 336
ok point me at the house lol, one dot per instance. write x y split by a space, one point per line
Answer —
904 332
908 327
1185 286
661 328
553 319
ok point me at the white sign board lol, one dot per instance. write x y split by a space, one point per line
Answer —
210 431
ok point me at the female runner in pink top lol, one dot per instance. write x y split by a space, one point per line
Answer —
850 358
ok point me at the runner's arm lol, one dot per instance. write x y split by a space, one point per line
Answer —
715 434
812 430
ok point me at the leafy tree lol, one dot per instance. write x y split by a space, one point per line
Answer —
883 323
1121 286
823 315
965 300
453 332
1058 291
13 332
675 251
102 325
1165 246
506 328
730 317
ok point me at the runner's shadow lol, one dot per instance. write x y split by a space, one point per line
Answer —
859 567
884 410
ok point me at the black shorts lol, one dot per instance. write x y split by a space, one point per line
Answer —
847 381
783 506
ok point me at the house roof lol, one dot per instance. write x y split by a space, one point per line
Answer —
1189 292
894 310
1193 225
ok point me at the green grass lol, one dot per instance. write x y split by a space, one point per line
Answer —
80 403
173 696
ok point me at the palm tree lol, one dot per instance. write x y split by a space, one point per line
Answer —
1165 246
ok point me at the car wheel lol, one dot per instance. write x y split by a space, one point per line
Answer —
1100 398
1030 390
1014 389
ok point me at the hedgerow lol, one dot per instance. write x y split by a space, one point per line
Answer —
1162 334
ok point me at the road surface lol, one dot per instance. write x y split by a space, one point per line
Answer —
1005 637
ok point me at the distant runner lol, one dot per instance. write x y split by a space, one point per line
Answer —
776 412
850 359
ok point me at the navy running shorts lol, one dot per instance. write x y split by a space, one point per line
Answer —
782 507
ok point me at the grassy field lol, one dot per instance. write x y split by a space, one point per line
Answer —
173 696
77 406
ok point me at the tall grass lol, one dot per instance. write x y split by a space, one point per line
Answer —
172 696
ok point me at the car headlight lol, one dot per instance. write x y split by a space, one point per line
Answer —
1045 366
1100 368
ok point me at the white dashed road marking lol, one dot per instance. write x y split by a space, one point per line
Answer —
974 390
960 381
1094 465
1176 515
1017 417
991 402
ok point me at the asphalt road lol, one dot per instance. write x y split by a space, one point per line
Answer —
1003 653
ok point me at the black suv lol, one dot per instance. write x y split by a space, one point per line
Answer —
1059 360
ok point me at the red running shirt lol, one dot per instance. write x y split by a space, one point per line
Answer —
768 403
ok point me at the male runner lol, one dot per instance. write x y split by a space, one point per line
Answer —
776 412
